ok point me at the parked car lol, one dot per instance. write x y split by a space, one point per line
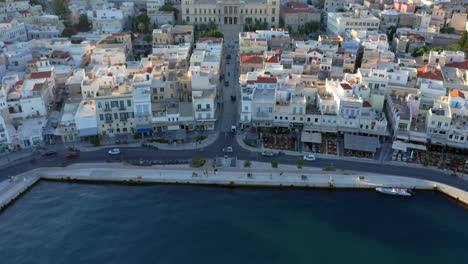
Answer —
394 155
268 153
228 150
405 157
50 153
309 157
72 154
114 151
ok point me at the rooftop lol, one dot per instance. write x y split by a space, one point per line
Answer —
430 72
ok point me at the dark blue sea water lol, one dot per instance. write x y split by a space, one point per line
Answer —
86 223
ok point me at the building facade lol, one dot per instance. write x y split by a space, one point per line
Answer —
196 12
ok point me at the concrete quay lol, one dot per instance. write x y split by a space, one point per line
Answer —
302 178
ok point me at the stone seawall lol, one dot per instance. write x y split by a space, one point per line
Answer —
304 178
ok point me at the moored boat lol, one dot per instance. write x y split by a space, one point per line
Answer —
394 191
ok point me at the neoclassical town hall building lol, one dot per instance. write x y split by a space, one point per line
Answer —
231 12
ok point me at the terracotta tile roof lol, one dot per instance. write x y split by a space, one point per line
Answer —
251 59
346 86
263 79
24 12
211 38
148 70
457 93
300 5
252 54
366 104
430 72
38 87
272 59
31 61
460 65
38 75
295 11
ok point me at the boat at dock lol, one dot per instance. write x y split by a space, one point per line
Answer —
394 191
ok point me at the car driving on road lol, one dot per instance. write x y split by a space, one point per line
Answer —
268 153
228 149
309 157
72 154
114 151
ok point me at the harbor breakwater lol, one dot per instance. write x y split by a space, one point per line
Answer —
302 178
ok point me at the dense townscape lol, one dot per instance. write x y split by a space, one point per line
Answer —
385 80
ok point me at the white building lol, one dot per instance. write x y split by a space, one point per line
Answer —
107 20
85 119
12 31
358 19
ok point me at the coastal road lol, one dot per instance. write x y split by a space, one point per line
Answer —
215 150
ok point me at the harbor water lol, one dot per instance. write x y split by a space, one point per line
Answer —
57 222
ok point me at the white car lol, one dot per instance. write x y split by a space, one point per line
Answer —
114 152
309 157
228 149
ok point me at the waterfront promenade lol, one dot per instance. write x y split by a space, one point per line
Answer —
305 178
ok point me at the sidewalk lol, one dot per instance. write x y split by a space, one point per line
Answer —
227 177
87 147
211 138
240 141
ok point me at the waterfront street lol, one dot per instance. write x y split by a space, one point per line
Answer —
215 150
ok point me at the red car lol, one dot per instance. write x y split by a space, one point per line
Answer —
72 154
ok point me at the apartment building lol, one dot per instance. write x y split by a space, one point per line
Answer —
358 19
107 21
12 31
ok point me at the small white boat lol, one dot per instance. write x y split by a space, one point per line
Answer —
394 191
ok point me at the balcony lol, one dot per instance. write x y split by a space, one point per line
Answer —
107 109
108 121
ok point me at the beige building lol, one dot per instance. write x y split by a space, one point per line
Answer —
196 12
173 35
297 15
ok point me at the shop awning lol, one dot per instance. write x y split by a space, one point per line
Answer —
88 132
311 137
143 130
361 143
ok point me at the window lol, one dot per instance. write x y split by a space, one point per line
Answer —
273 11
129 103
207 106
101 116
272 19
114 103
116 116
99 105
199 106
